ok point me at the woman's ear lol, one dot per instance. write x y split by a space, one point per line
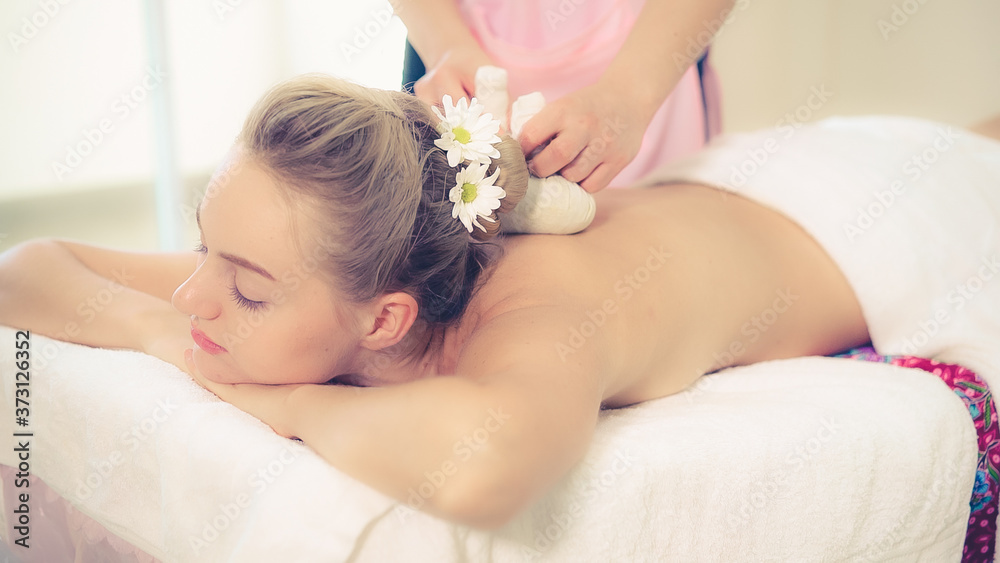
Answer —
394 314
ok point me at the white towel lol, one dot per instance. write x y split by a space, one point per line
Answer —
805 459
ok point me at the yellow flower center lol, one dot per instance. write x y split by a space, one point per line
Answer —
461 135
468 192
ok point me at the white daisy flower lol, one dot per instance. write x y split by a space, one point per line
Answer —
466 132
474 195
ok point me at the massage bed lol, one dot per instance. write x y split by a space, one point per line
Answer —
805 459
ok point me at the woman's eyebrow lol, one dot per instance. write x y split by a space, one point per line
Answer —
235 259
247 264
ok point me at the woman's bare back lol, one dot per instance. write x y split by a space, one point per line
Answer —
671 283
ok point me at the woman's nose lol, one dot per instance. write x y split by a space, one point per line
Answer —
197 296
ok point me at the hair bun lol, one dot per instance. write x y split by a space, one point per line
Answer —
514 181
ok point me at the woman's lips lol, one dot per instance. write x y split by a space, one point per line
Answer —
205 343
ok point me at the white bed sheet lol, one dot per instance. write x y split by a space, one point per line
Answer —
805 459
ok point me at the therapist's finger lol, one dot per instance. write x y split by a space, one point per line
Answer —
601 177
564 143
585 163
595 166
562 150
432 88
539 130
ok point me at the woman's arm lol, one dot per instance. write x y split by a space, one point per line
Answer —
597 130
434 27
446 46
656 54
91 295
155 273
474 450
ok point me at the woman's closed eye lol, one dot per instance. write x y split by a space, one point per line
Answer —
241 300
244 303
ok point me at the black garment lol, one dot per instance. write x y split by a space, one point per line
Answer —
413 68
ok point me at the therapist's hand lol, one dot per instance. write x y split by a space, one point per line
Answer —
589 135
454 74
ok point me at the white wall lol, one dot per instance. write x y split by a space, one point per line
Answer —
938 59
70 76
65 78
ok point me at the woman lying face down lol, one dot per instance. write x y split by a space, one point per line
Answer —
332 250
329 246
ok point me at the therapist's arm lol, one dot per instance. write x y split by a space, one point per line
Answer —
445 45
596 131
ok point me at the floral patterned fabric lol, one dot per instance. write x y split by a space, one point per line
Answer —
981 532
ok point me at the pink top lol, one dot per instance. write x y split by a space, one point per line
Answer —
558 46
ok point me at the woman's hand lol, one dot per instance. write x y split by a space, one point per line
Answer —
167 336
165 333
589 135
267 403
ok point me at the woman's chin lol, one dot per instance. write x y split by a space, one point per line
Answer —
214 370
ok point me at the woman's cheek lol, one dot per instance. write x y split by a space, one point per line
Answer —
214 370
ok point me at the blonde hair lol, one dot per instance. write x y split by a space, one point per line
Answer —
366 159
